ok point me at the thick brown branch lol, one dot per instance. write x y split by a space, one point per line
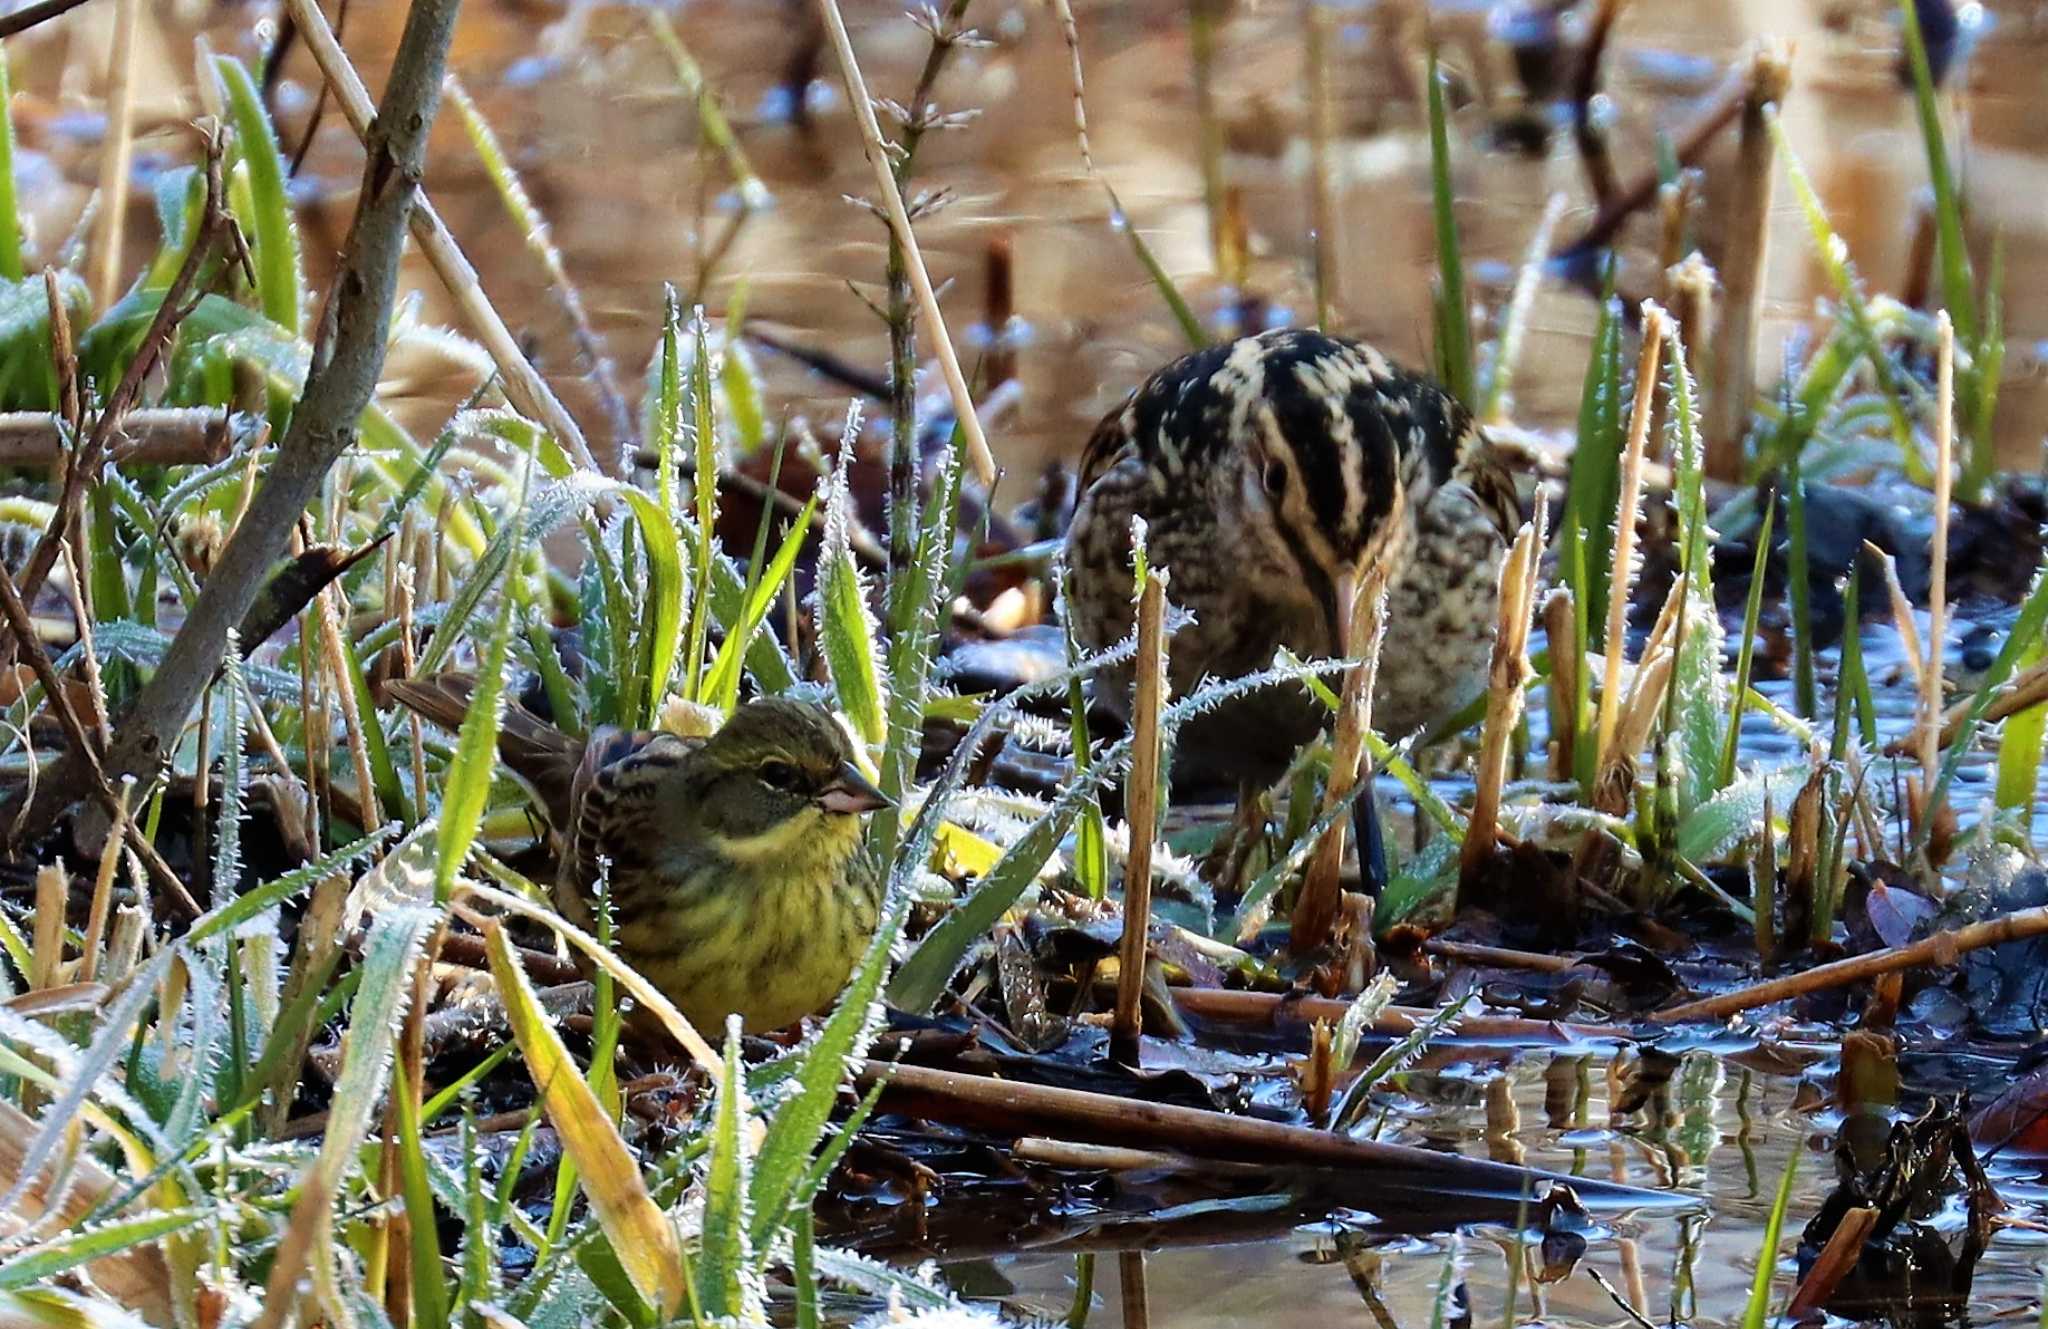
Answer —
347 358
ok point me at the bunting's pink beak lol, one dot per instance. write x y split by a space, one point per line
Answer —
852 792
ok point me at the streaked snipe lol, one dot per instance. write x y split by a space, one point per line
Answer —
1271 472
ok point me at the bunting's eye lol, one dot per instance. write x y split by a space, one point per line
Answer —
778 775
1275 478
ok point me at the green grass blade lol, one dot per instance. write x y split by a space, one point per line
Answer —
49 1258
468 787
846 625
1746 651
722 683
921 589
1757 1314
1958 287
1587 528
1091 843
2026 634
1454 318
1987 365
429 1278
10 208
2019 751
1799 586
1190 326
1855 310
722 1261
704 430
276 240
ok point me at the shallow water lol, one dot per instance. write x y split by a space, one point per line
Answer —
587 106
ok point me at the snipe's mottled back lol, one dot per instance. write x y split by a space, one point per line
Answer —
1271 472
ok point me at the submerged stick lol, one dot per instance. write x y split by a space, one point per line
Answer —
899 224
1141 809
1014 1107
1940 949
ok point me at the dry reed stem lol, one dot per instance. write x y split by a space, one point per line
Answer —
1507 672
1940 949
524 386
331 647
103 887
1836 1259
1726 411
1902 611
1499 956
1514 321
2028 688
46 960
1132 1298
1141 810
1929 725
117 159
1622 580
1317 907
899 223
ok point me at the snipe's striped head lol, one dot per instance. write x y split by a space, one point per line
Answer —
1307 443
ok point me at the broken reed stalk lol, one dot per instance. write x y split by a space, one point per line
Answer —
1507 673
1317 907
348 355
1929 726
1133 1300
1622 579
899 224
117 159
524 387
1559 618
1726 410
1141 806
1941 949
1689 286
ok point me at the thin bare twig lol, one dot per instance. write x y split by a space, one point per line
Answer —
215 222
24 19
899 224
524 386
1940 949
348 355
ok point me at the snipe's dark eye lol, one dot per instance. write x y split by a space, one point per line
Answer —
778 775
1275 479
